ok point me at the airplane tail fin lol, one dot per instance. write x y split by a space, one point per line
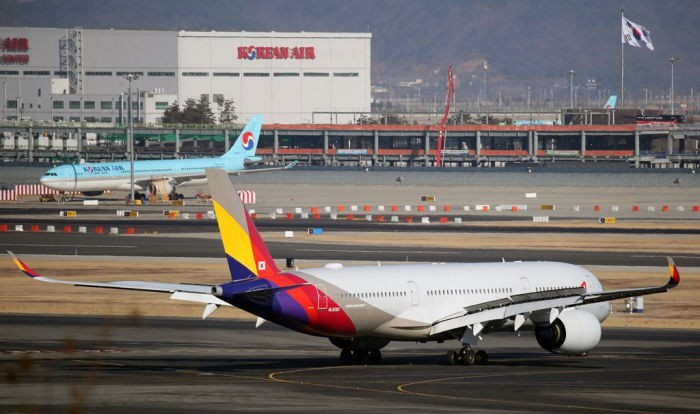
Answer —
247 142
610 104
246 253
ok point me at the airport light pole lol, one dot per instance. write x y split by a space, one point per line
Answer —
4 100
571 87
646 97
131 77
484 96
672 60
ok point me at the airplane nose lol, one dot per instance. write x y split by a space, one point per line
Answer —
42 180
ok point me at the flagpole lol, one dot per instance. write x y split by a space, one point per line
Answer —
622 54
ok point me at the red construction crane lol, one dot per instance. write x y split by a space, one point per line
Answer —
450 92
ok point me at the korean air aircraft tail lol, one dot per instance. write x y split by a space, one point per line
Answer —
610 104
247 255
247 142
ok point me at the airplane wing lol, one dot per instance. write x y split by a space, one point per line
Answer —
192 293
185 178
553 301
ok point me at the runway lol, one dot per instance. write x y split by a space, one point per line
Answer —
105 245
187 365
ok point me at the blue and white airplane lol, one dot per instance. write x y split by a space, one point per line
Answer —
610 104
93 179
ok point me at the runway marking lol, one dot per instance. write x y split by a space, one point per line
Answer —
68 245
402 387
273 376
374 251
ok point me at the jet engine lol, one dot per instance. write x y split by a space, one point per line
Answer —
575 332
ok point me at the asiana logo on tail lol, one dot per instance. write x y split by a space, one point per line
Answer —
103 169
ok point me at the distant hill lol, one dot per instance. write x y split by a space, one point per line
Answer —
526 42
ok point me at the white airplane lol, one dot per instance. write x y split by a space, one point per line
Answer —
92 179
361 309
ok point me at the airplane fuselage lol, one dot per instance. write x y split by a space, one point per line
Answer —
401 302
116 176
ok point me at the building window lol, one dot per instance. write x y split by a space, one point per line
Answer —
38 92
37 72
129 73
286 74
257 74
60 73
74 104
75 119
98 73
161 105
106 119
90 119
106 105
57 104
11 104
161 73
89 105
226 74
9 72
57 119
317 74
195 73
346 74
159 120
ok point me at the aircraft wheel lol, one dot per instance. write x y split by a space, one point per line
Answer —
180 197
346 357
452 357
375 356
361 357
468 357
482 356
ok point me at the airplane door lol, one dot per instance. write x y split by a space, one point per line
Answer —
72 178
526 284
322 298
414 293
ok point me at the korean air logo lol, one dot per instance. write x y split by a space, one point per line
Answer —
248 141
252 53
89 169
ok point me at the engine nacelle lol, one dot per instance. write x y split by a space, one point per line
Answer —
155 186
575 332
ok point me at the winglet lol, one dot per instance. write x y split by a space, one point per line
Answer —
23 267
675 276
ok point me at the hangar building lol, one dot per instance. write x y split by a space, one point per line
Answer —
78 74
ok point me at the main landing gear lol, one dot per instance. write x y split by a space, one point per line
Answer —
361 357
466 356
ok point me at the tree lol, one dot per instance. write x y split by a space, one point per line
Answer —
194 112
227 111
172 115
198 112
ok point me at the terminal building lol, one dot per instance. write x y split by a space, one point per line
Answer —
77 75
